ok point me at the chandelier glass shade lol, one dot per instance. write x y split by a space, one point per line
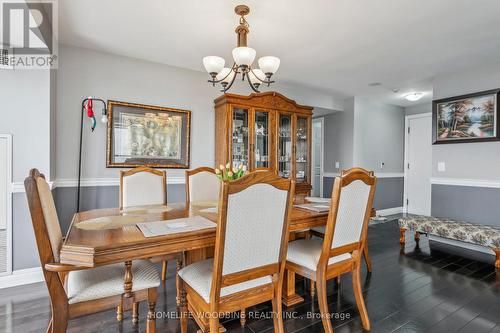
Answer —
243 57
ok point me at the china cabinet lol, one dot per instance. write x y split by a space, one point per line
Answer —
265 130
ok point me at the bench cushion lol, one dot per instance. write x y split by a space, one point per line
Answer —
463 231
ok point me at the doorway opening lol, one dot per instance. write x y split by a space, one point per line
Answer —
318 134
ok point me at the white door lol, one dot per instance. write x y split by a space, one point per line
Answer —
317 157
418 164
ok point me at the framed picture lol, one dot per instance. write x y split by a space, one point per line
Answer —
467 118
145 135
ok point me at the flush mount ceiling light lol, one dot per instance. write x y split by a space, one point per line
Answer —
414 96
243 58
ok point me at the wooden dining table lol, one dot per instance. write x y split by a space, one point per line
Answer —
107 243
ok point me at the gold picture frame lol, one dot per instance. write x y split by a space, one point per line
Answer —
147 135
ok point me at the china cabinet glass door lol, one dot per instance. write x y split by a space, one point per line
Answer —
240 142
302 150
262 139
285 146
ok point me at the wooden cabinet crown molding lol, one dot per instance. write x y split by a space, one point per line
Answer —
268 100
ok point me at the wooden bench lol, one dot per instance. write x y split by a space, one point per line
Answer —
478 234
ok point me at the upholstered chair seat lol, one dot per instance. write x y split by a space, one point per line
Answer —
199 277
106 281
306 253
320 232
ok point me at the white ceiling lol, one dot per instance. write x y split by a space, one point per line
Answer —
340 46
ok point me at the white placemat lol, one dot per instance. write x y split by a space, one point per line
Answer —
318 199
318 208
209 210
168 227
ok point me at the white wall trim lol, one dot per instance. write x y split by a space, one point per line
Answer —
389 211
18 187
8 138
377 174
22 277
406 156
466 182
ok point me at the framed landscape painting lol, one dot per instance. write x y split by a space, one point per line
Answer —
146 135
467 118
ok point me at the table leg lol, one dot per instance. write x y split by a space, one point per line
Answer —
127 285
290 297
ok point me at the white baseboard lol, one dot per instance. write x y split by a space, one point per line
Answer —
22 277
390 211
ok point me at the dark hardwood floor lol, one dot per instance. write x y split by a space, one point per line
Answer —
432 288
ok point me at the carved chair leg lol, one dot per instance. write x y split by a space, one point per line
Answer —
497 259
151 321
358 294
243 317
177 279
119 312
368 260
127 285
313 288
164 271
135 313
182 305
323 303
417 236
402 239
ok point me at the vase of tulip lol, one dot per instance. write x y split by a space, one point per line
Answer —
226 174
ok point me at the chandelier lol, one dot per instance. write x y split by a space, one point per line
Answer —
243 58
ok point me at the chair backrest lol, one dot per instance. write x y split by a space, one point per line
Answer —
252 230
202 185
47 230
142 186
352 200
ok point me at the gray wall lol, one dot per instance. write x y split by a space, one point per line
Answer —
26 114
378 135
24 250
468 160
338 141
467 203
417 109
83 72
388 194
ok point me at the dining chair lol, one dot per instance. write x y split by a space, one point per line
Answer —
202 185
146 186
250 253
320 232
75 291
340 251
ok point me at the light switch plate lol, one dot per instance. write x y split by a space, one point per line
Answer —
441 166
337 165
